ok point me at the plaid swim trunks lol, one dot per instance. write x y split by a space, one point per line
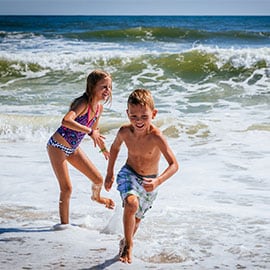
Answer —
130 183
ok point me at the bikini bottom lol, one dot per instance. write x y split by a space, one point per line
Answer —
67 150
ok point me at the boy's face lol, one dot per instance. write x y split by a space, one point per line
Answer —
140 116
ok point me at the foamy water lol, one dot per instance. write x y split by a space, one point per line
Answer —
213 101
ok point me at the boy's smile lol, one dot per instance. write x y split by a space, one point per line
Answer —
140 116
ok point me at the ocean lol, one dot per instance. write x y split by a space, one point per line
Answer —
210 78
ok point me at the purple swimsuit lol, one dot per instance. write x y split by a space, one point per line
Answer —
74 137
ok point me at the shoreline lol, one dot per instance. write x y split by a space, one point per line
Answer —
39 246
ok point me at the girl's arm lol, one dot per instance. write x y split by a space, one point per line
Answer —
98 138
69 119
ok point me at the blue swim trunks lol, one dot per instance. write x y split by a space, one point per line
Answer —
130 183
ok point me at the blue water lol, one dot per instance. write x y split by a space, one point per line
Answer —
207 29
91 23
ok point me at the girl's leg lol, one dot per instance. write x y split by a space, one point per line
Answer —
59 164
81 162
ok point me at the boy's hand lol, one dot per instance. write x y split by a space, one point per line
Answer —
150 184
108 182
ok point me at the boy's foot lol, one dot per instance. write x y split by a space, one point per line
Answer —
122 245
124 252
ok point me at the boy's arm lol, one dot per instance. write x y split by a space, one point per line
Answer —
151 184
115 148
171 159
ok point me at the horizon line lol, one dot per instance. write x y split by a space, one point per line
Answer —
79 14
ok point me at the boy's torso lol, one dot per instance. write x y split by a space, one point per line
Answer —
143 152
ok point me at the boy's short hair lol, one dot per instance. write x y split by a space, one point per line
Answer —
141 97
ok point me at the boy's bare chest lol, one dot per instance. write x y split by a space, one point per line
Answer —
141 146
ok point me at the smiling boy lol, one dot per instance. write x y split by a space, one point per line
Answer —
138 179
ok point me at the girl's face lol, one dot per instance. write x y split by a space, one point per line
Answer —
140 117
103 89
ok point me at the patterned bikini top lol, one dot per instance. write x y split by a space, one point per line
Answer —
74 137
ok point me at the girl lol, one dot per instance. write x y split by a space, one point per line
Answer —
81 119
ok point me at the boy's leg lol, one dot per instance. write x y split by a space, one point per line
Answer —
122 243
130 226
138 220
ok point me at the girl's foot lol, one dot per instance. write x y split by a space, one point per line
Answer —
96 197
108 202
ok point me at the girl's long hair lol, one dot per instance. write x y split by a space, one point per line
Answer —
93 78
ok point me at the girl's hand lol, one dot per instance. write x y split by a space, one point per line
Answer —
97 137
105 153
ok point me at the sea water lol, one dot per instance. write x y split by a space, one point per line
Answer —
210 78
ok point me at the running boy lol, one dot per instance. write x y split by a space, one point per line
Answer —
138 179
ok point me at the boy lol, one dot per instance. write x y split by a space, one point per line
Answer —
138 179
